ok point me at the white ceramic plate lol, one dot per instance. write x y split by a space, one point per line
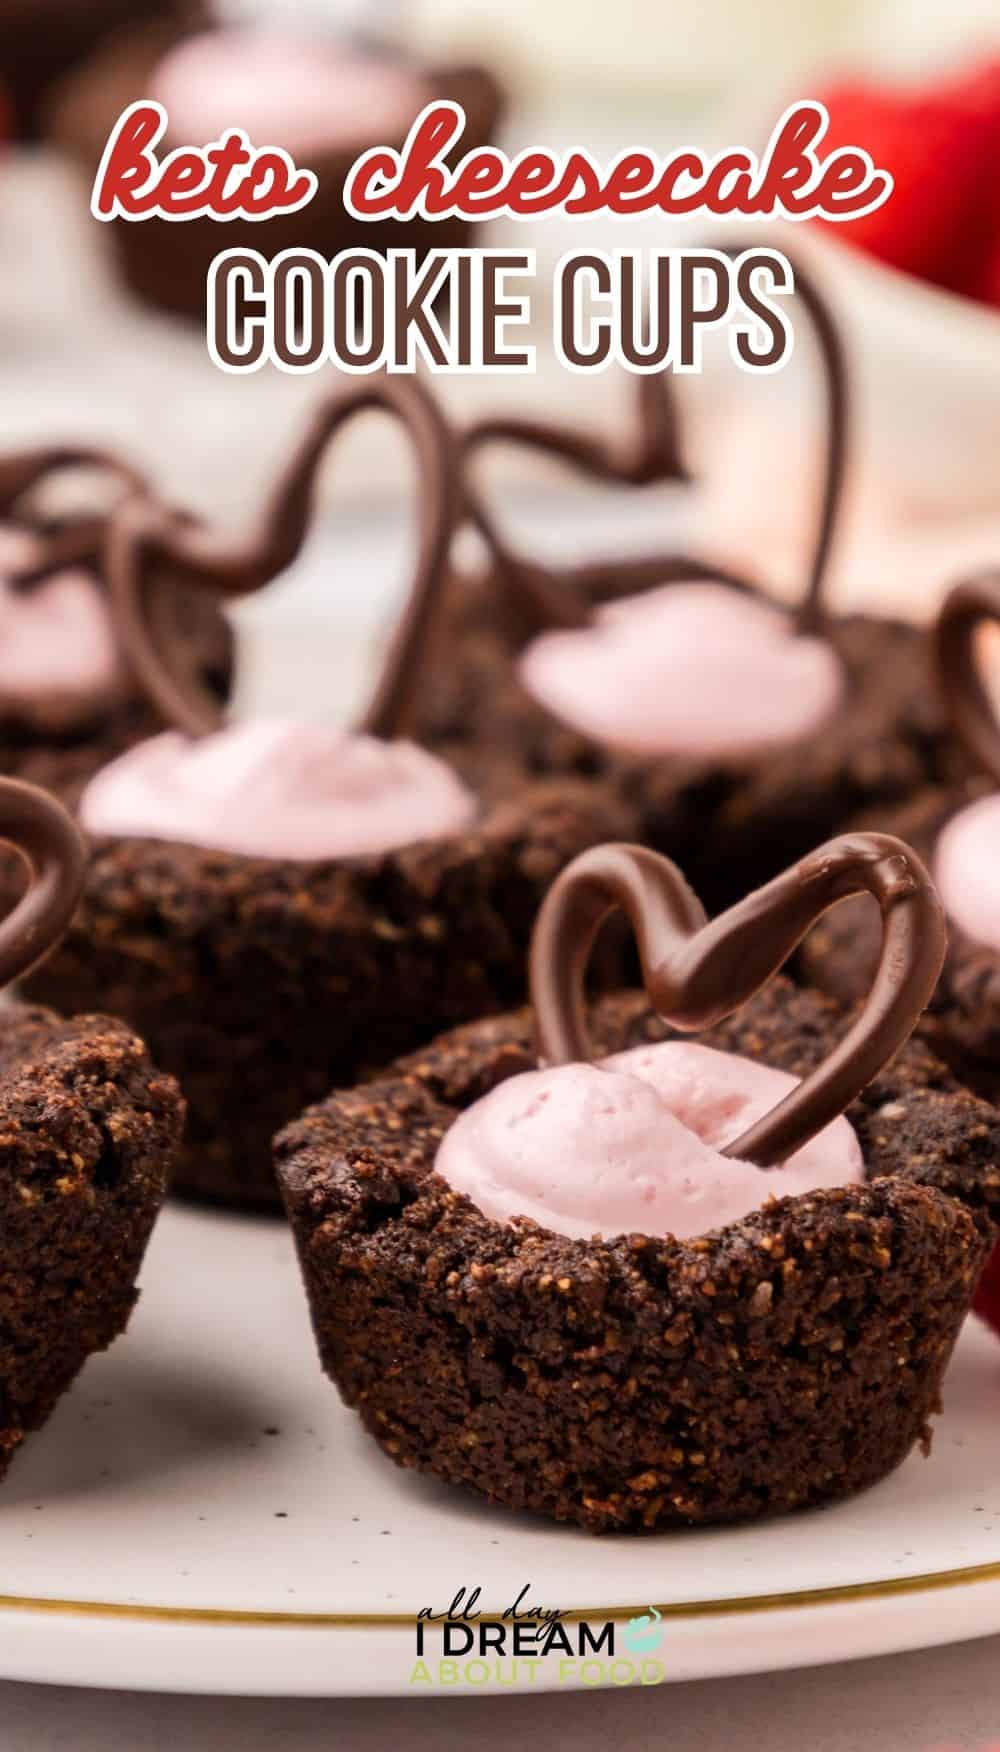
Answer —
201 1514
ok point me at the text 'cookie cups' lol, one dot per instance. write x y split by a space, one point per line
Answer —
672 676
280 906
639 1381
88 1133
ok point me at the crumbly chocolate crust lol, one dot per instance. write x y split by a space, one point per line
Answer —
639 1384
731 828
962 1022
88 1133
260 982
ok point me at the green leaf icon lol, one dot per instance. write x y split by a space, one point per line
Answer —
643 1635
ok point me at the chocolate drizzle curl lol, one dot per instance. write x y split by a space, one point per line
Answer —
21 471
76 540
967 702
652 453
696 971
146 542
46 839
811 614
559 597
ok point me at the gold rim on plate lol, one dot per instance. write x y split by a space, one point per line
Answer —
933 1581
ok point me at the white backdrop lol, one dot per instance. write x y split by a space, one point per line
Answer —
718 43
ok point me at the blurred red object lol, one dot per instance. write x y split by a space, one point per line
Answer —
942 144
987 1302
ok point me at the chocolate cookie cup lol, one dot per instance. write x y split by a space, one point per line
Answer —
167 264
41 41
88 1133
731 820
963 1020
60 722
262 979
644 1382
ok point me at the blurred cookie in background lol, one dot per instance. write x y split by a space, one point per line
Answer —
322 98
43 40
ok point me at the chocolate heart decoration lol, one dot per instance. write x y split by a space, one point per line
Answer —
553 596
45 837
70 541
147 541
697 971
548 597
953 646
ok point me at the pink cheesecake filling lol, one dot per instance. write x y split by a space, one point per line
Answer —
633 1145
56 637
297 91
697 669
278 789
967 870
